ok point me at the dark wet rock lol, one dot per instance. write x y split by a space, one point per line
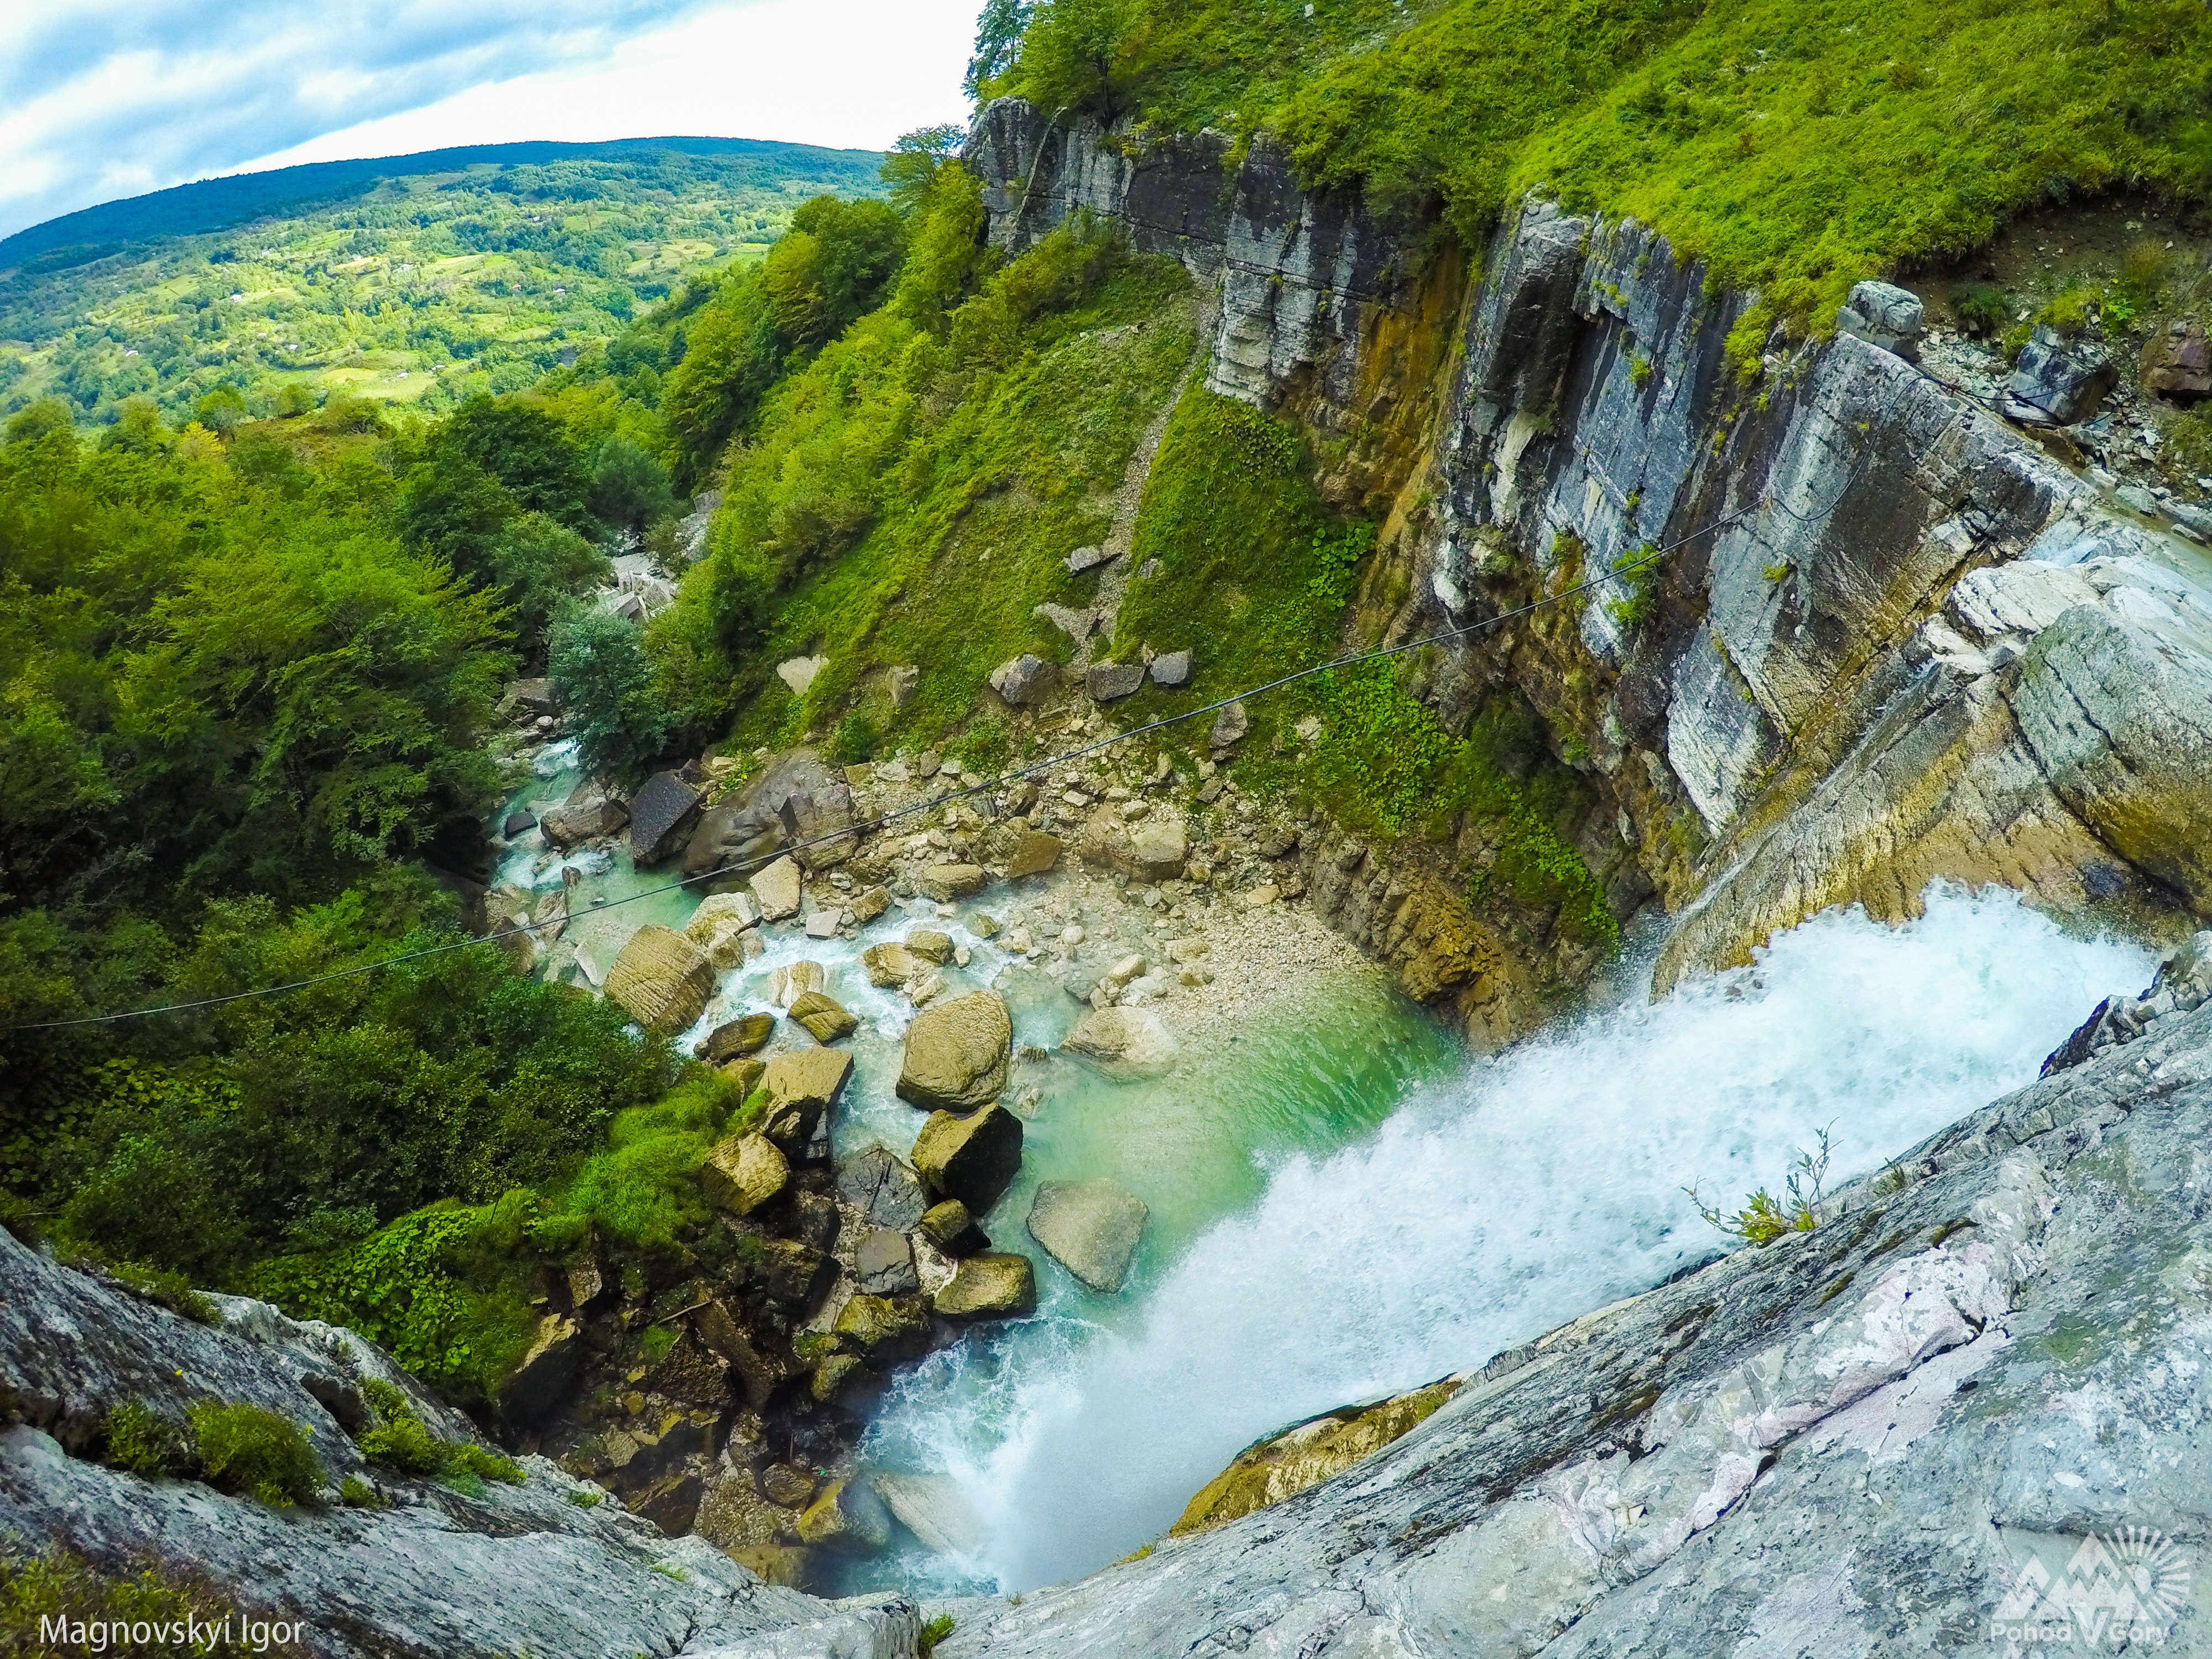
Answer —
661 815
879 1185
2055 381
972 1159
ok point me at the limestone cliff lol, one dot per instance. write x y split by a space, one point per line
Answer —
1889 638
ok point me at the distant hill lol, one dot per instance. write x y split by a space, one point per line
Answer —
211 204
411 278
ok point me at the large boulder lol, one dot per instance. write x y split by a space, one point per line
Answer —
1885 315
879 1185
719 925
1123 1039
1306 1456
1034 854
1151 849
748 1034
1171 668
801 1087
958 1053
746 1171
2120 714
794 979
1110 682
778 888
988 1287
1025 682
825 1017
890 965
947 882
585 819
950 1228
848 1516
743 828
662 979
885 1327
972 1159
883 1262
2177 364
761 1367
2055 381
660 817
818 822
537 1382
1090 1227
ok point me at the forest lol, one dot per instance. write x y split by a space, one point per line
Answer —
418 280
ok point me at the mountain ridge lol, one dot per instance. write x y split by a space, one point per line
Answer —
259 195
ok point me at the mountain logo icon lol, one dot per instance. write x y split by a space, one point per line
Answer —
2126 1585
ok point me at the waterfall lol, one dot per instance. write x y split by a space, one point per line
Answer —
1531 1189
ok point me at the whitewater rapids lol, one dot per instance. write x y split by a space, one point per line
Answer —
1530 1190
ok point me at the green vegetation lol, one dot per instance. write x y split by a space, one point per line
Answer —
399 1440
910 494
446 1289
56 1588
1764 1218
933 1633
143 1440
251 1450
1797 144
423 280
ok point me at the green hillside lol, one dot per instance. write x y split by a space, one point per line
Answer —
417 279
1797 144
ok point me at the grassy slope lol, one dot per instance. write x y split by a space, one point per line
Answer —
491 274
977 464
1797 144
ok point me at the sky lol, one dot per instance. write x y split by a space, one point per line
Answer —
102 99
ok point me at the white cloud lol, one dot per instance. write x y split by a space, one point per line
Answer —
100 99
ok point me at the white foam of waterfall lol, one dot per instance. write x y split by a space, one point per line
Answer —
1528 1190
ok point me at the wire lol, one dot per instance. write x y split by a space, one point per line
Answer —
853 832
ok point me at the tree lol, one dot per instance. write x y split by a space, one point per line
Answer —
538 564
452 507
910 170
1073 58
526 450
604 683
629 486
220 409
998 43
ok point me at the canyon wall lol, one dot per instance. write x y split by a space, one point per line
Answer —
1884 637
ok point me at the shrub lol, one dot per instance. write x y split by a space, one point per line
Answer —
1982 309
143 1440
251 1450
1764 1218
604 683
855 740
401 1442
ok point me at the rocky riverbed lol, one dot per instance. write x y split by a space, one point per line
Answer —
906 983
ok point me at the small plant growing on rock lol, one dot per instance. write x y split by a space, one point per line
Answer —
143 1440
1982 309
401 1441
933 1633
1764 1218
249 1449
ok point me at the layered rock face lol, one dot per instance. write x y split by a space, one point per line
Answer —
1905 1431
543 1566
1887 638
